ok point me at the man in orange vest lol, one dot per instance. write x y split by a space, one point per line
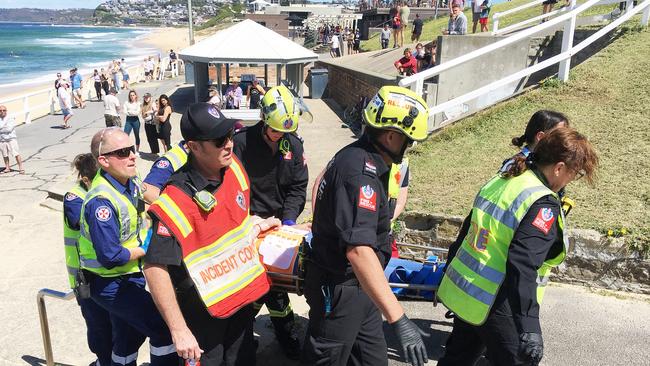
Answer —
202 266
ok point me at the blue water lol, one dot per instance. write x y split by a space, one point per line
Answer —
33 53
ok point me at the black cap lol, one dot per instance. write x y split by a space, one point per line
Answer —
203 121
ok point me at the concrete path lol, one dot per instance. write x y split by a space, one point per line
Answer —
580 327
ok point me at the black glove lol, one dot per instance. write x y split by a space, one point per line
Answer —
410 337
531 347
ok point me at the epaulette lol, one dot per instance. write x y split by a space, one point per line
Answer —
369 167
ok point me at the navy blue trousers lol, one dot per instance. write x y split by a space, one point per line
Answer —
99 330
134 317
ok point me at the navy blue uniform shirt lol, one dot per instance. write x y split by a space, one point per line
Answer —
104 226
160 172
72 209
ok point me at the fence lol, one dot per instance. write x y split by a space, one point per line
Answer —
45 325
567 20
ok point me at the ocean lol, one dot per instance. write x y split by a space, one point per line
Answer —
34 53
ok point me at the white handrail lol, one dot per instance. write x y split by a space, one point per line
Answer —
564 58
513 27
497 16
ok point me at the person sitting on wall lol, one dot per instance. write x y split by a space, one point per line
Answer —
407 65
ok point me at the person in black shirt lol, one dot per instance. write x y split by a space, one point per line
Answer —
345 286
196 333
511 333
273 157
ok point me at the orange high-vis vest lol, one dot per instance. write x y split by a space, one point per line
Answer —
218 246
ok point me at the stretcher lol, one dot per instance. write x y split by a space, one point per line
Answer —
415 275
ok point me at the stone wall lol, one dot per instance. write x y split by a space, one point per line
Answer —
345 85
593 259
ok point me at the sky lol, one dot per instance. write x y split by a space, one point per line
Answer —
50 4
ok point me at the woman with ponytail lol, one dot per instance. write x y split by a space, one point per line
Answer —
495 283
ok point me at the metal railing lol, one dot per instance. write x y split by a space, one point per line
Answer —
568 20
42 314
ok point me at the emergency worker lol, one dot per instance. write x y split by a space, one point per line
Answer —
162 169
204 294
496 281
273 157
111 245
98 321
345 285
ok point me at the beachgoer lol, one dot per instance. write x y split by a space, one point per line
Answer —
164 115
132 122
385 37
397 29
417 28
97 78
9 141
485 14
114 68
125 74
357 41
335 50
148 111
76 80
407 65
104 79
112 109
213 97
172 58
253 94
233 94
404 12
65 101
457 24
57 82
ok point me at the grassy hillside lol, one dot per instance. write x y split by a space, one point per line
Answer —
432 27
607 98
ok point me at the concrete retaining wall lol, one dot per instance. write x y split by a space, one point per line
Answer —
593 259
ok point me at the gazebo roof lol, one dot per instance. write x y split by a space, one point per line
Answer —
247 42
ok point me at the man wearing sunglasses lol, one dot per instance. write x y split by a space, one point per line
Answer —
111 245
345 285
202 266
273 156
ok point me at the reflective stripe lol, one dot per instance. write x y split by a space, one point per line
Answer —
508 217
469 288
237 170
124 360
175 213
542 281
72 271
89 263
221 243
482 270
162 350
280 314
103 188
242 282
70 242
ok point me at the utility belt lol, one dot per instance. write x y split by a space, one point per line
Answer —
85 277
329 278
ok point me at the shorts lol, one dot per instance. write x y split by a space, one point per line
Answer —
549 2
476 17
483 21
77 91
397 26
67 112
125 77
9 147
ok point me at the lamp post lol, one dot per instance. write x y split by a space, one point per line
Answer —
189 21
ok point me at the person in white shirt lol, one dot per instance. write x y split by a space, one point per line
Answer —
112 109
65 101
8 141
336 49
214 97
132 123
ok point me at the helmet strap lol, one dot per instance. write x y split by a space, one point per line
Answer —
396 158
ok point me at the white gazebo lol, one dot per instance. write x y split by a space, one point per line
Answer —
246 42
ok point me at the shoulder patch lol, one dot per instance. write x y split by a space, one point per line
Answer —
368 198
544 220
103 213
162 164
370 167
71 196
162 230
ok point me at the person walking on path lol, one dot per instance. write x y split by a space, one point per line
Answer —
132 110
97 79
65 102
112 243
385 37
273 156
114 69
76 80
163 116
417 28
404 13
495 283
125 74
99 331
112 109
205 202
345 287
9 141
148 112
104 79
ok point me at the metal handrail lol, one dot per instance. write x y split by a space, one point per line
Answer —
42 314
496 31
499 15
416 82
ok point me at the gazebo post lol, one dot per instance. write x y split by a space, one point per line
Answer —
301 76
266 75
278 74
219 81
200 80
227 74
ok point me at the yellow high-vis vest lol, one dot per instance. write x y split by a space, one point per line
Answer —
71 240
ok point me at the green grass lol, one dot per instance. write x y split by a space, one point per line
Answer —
433 27
607 98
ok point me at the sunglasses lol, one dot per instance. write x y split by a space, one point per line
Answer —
124 152
222 141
